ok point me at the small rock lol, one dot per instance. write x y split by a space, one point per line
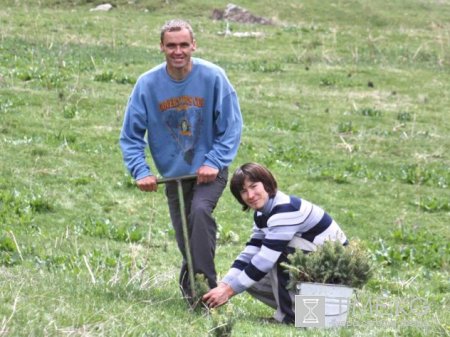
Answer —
247 34
217 14
238 14
102 8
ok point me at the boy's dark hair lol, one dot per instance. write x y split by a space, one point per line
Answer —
255 173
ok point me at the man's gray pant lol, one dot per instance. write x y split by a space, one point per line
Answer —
200 201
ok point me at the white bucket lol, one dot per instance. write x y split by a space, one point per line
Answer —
337 300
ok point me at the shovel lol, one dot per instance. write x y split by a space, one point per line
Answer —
184 227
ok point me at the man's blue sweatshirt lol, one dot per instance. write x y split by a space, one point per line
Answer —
189 123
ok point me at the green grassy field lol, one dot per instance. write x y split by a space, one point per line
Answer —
345 101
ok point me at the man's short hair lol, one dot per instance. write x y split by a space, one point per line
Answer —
176 25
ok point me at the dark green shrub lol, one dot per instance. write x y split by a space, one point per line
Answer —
331 263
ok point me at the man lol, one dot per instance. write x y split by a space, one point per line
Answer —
191 114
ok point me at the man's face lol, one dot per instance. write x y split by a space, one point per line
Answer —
178 47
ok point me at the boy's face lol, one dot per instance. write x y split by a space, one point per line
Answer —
178 47
253 194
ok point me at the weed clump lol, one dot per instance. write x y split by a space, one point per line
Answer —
412 247
222 321
201 287
9 254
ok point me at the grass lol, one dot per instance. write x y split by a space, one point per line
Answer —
344 101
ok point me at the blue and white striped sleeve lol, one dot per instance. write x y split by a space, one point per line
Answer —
252 248
274 243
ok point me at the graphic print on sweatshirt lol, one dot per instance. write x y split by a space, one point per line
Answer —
183 118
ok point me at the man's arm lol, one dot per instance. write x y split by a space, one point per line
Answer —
228 129
132 143
147 184
206 174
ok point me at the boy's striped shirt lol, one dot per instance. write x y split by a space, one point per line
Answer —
274 227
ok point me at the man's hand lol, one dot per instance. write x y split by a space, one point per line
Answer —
206 174
147 184
218 296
